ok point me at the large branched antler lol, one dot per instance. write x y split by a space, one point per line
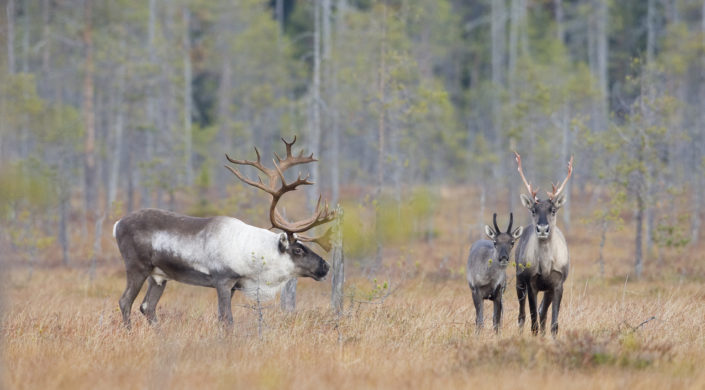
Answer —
555 193
319 217
532 192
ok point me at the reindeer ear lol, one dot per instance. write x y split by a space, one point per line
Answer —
559 201
283 242
489 232
517 232
526 201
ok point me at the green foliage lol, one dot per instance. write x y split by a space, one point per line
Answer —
399 221
27 197
369 294
673 233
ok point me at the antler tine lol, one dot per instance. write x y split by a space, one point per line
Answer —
324 241
259 185
511 220
494 220
271 174
557 192
319 217
521 172
290 160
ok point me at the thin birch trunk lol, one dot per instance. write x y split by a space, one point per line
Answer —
26 21
188 103
382 129
96 245
338 264
335 141
118 137
89 114
10 10
498 37
601 57
145 193
639 228
558 5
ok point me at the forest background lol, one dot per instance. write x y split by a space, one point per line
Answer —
412 106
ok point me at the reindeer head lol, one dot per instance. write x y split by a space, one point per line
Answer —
306 262
543 212
503 242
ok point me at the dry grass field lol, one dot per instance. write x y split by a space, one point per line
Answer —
62 330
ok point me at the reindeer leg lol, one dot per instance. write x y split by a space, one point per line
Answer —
497 319
477 300
531 294
521 294
557 296
135 280
151 298
543 309
225 313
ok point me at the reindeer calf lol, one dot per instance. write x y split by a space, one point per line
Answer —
486 269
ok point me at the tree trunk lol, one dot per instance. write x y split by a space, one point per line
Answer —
64 199
565 152
96 245
698 160
46 34
603 240
639 218
88 114
498 37
25 36
650 32
601 43
481 215
24 130
518 46
333 96
288 296
46 51
279 10
130 174
338 264
145 192
382 129
225 135
698 150
315 122
558 5
118 137
188 103
10 9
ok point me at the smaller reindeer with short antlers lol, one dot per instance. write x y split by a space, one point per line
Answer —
486 269
542 261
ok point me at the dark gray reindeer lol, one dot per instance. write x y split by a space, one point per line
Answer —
542 261
221 252
486 269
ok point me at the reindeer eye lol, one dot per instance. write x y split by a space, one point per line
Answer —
298 251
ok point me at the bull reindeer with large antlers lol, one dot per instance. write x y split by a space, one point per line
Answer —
542 261
221 252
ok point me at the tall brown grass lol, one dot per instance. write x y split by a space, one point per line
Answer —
62 330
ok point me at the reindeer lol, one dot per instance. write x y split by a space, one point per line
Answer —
221 252
542 261
486 269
